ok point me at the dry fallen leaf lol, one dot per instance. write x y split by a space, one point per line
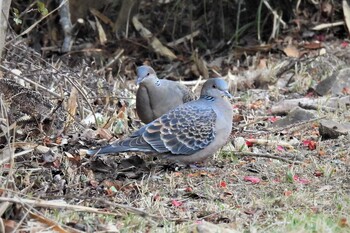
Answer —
72 105
176 203
262 64
104 133
291 51
10 225
327 8
313 45
252 179
48 222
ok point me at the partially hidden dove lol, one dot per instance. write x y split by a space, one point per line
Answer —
189 133
156 97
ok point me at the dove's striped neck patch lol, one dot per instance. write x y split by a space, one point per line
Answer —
157 82
207 97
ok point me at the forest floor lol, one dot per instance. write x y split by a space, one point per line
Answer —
280 179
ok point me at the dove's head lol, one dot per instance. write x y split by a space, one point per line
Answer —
215 87
145 72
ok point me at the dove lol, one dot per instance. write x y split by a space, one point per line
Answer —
155 96
187 134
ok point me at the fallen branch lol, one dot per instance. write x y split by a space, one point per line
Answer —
192 83
293 127
268 142
266 155
112 61
275 14
183 39
55 204
289 128
8 157
327 25
154 41
285 106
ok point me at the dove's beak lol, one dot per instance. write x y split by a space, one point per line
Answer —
139 80
226 93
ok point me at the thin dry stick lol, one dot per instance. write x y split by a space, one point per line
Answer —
155 43
33 213
275 14
268 142
129 208
192 83
183 39
59 205
288 127
327 25
2 226
53 224
22 219
296 125
197 83
3 208
54 205
140 212
110 63
242 154
5 160
81 92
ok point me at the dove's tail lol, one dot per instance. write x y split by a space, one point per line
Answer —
137 144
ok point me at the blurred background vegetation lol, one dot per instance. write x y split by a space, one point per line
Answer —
214 25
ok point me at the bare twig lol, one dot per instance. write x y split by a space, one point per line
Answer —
242 154
55 205
53 224
183 39
327 25
331 102
192 83
157 46
290 128
295 126
5 160
111 62
275 14
270 142
197 84
2 225
61 205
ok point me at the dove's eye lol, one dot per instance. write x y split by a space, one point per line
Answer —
214 86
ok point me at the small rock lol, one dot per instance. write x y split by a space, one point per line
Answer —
240 144
42 149
296 115
336 84
207 227
330 129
